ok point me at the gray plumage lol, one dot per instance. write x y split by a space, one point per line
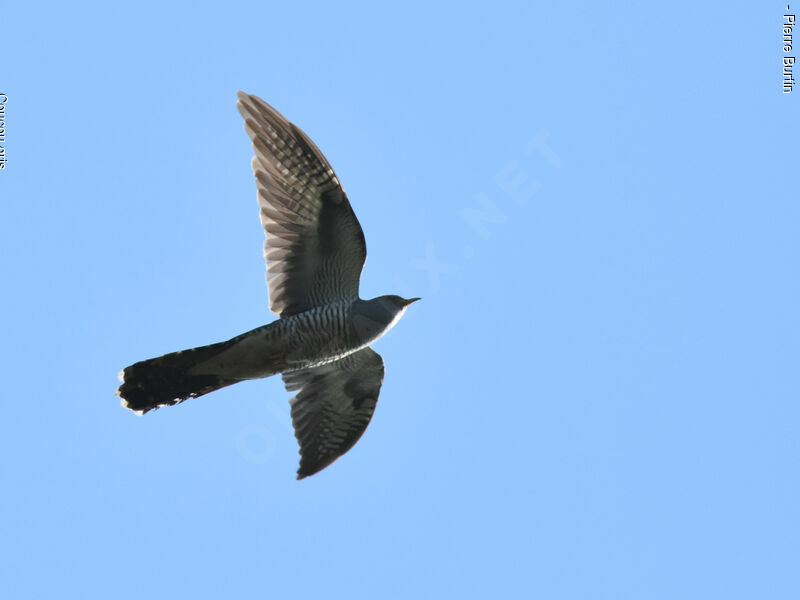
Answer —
315 251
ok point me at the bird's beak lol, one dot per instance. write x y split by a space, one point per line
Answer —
412 300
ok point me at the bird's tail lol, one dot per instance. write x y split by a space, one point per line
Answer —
166 380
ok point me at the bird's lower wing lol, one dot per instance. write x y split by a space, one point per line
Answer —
333 406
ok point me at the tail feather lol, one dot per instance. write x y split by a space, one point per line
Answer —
165 380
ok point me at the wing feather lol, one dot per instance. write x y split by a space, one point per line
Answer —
314 247
333 406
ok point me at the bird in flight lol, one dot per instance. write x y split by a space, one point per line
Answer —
315 251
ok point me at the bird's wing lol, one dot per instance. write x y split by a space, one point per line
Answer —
315 247
333 407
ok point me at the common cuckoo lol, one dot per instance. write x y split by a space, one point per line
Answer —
314 251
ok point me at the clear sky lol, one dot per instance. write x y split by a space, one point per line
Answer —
597 396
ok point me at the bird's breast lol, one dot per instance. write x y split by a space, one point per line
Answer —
320 335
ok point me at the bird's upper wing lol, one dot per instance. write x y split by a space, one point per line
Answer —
315 247
333 407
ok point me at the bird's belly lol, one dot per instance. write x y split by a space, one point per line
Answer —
318 337
318 348
309 339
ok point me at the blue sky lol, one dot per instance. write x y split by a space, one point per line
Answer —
597 396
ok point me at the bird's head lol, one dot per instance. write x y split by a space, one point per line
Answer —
392 307
396 306
380 313
396 302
